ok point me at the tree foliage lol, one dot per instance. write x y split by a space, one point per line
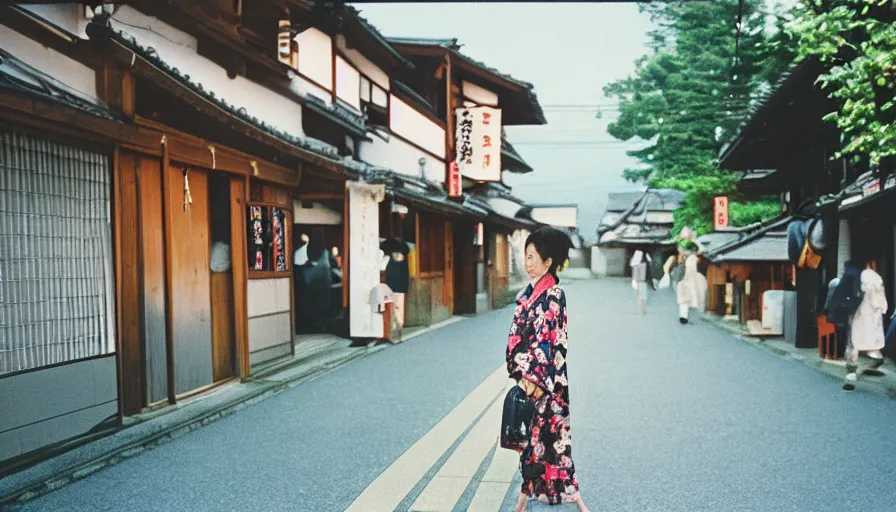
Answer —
691 92
856 39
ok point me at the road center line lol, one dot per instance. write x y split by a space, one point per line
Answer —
446 488
498 477
389 489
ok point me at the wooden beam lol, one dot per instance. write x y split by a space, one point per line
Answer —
28 109
191 150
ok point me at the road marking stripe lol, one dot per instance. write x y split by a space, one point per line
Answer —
498 477
390 488
446 488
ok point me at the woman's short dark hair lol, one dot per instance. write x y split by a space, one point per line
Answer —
550 243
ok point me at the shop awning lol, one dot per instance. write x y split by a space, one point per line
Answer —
424 195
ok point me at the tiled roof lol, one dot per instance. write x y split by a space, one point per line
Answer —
377 35
623 200
769 247
766 242
516 162
355 123
626 233
423 194
18 76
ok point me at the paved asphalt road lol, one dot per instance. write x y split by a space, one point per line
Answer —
664 418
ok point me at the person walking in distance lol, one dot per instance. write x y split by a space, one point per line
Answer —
537 359
691 291
858 305
641 278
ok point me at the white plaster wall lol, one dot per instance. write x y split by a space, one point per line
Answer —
480 95
269 312
69 17
268 296
68 71
564 216
348 83
369 69
416 127
178 49
318 215
316 56
402 158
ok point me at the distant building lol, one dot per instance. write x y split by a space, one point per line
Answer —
636 219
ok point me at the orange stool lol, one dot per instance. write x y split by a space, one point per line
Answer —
827 338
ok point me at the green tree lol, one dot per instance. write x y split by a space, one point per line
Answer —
856 39
691 92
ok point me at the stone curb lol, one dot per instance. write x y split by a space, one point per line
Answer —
881 386
268 389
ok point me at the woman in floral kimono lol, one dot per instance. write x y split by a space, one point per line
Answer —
536 358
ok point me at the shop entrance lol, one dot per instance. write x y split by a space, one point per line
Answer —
192 261
318 267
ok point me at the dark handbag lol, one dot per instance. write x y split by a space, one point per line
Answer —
516 421
677 272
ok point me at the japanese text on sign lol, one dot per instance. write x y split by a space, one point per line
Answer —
454 181
720 212
478 138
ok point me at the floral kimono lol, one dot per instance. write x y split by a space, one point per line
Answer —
536 351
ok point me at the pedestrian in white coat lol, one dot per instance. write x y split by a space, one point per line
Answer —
867 328
691 290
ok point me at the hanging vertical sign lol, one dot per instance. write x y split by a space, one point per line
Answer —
364 263
720 212
478 141
454 181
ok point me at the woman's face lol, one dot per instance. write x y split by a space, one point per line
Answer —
535 266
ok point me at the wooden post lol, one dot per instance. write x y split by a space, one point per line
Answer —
346 250
240 265
116 226
169 282
449 119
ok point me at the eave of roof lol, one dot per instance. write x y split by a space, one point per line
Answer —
451 46
766 227
18 76
517 164
423 194
412 95
377 36
314 146
766 105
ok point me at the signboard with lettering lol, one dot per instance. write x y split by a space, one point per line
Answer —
720 212
364 264
478 142
454 181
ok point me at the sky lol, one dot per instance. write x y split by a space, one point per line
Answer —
568 52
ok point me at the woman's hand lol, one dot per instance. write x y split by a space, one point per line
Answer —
532 390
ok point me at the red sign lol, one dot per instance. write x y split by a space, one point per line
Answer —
454 183
720 212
